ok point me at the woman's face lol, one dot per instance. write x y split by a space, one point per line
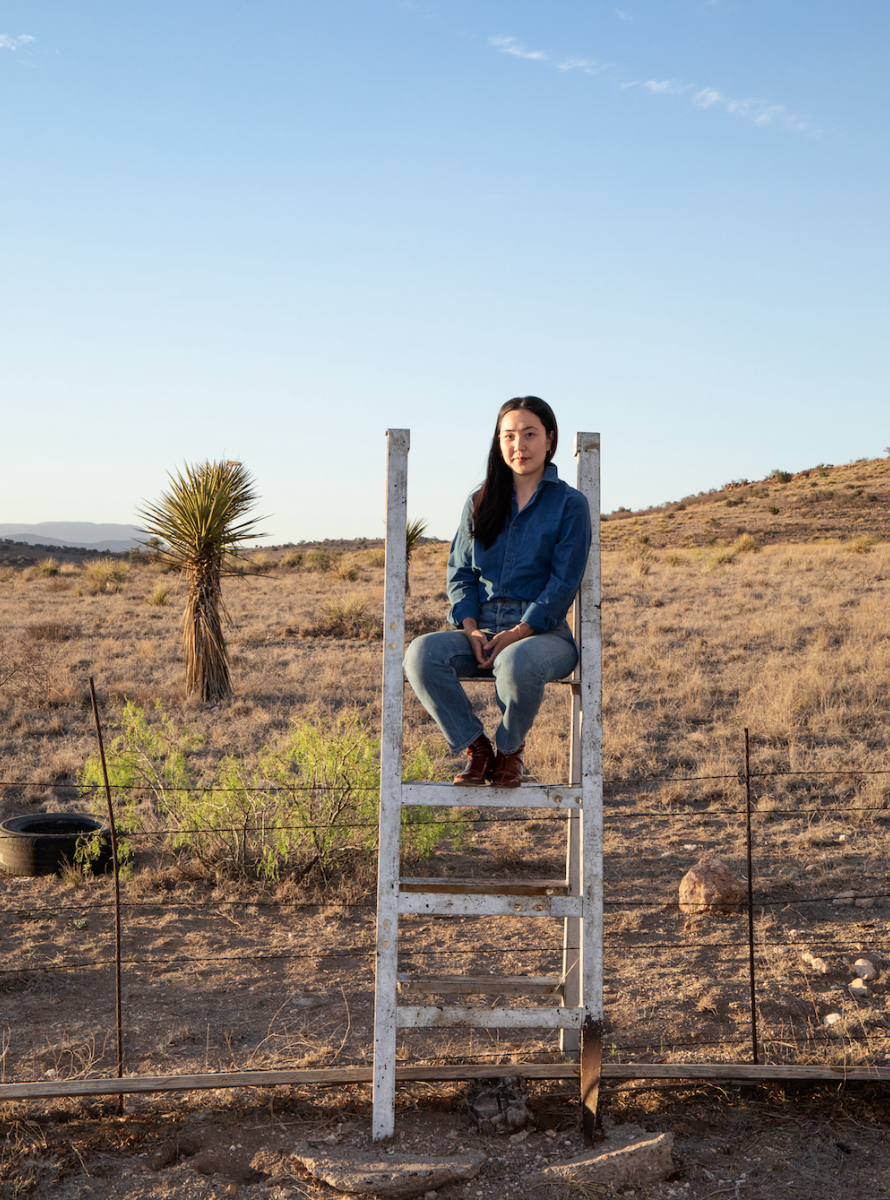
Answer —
524 443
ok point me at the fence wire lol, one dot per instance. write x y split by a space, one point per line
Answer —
790 996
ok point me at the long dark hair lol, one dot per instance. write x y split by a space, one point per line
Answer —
491 504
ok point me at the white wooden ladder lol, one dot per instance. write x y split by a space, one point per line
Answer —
577 898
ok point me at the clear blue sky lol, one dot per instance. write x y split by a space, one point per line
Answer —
268 231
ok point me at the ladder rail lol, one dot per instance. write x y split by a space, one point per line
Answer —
390 812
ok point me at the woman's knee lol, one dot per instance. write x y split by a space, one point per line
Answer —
417 657
518 673
427 653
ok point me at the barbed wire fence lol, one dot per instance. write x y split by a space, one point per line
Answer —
698 992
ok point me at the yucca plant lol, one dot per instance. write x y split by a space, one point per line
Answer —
413 534
199 521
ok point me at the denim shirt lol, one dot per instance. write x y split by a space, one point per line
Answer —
538 557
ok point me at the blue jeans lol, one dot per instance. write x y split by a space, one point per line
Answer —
436 662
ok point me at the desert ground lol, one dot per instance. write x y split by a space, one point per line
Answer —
719 615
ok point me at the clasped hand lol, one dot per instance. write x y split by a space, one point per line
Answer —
487 649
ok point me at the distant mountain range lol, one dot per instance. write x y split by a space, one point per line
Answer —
80 535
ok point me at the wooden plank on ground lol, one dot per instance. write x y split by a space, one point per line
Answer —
45 1089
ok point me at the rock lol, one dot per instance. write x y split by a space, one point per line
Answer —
357 1172
710 886
626 1157
864 968
500 1106
830 1020
858 989
819 965
864 901
844 899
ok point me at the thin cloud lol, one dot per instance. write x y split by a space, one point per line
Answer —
13 43
512 45
589 66
622 15
665 87
759 112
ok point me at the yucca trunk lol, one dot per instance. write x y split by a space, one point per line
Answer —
203 641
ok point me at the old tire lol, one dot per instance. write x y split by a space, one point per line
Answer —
42 843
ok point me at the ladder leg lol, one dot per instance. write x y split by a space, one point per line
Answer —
591 1070
390 812
570 1039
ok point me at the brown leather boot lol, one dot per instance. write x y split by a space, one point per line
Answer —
508 769
480 761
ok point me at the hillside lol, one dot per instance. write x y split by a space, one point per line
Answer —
825 503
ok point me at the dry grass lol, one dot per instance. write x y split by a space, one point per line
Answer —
849 503
700 642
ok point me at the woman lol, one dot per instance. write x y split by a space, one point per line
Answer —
515 565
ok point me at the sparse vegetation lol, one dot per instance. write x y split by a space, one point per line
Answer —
703 638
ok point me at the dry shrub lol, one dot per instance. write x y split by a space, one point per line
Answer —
344 619
861 545
104 575
49 631
48 566
261 561
746 544
159 596
347 571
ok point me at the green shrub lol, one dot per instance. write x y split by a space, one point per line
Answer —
307 804
320 559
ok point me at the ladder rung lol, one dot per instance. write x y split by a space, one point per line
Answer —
418 1016
445 904
529 795
483 985
487 887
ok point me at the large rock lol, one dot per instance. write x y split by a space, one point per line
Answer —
360 1172
626 1157
710 886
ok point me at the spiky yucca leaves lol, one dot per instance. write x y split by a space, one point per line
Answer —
413 533
199 522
